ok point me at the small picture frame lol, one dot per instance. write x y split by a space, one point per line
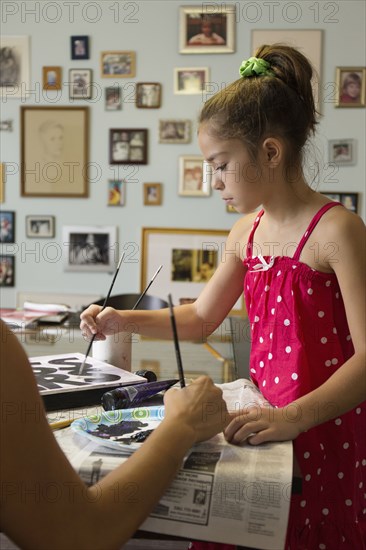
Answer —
113 98
15 67
194 177
128 146
349 200
116 192
152 194
148 95
79 47
40 227
190 80
118 64
205 30
80 83
2 182
342 151
175 131
90 248
7 226
350 87
7 270
52 78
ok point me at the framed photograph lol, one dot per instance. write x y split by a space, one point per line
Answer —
113 98
128 146
175 131
7 270
118 64
350 86
309 42
194 177
342 151
90 248
116 192
80 83
152 194
190 80
52 78
189 257
54 151
41 227
6 125
14 66
148 95
7 227
79 47
202 31
2 182
349 200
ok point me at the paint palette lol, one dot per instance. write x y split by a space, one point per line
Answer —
62 385
124 429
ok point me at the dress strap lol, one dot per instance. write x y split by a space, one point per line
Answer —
251 236
312 225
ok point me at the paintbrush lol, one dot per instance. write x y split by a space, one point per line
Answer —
176 343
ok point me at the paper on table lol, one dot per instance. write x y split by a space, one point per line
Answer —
47 308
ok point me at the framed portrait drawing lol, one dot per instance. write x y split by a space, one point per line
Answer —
148 95
349 200
7 226
41 227
52 78
7 270
190 80
90 248
189 257
128 146
204 30
194 177
308 41
116 192
14 66
54 151
350 86
79 47
175 131
152 194
80 83
118 64
342 151
113 98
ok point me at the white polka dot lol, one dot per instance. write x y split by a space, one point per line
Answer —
306 454
278 273
273 311
358 410
256 219
261 364
279 298
360 485
321 314
256 319
270 356
348 502
337 294
263 383
334 361
345 445
261 339
322 546
338 421
325 511
306 232
286 322
303 503
340 475
357 464
247 287
321 488
276 380
307 477
288 349
270 335
294 376
334 330
266 288
328 283
319 471
363 462
348 338
321 446
253 371
324 340
294 266
310 291
328 362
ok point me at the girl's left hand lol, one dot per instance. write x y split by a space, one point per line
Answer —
261 424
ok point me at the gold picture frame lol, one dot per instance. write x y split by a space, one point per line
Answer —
152 194
118 64
189 258
350 87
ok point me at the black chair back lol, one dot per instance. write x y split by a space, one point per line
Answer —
127 301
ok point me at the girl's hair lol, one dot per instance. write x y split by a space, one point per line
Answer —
253 108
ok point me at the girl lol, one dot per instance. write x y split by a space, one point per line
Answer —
301 261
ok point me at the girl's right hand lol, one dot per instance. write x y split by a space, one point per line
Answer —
99 323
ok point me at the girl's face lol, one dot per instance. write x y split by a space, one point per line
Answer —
235 175
353 89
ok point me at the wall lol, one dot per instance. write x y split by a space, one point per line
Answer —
151 28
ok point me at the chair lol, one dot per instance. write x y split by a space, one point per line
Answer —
127 301
240 338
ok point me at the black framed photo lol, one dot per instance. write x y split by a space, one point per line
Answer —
79 47
7 226
128 146
148 95
80 83
7 270
113 98
41 227
349 200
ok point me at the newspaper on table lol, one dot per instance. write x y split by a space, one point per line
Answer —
222 493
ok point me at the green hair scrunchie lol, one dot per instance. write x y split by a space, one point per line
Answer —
255 67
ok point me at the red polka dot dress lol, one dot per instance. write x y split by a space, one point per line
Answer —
300 337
